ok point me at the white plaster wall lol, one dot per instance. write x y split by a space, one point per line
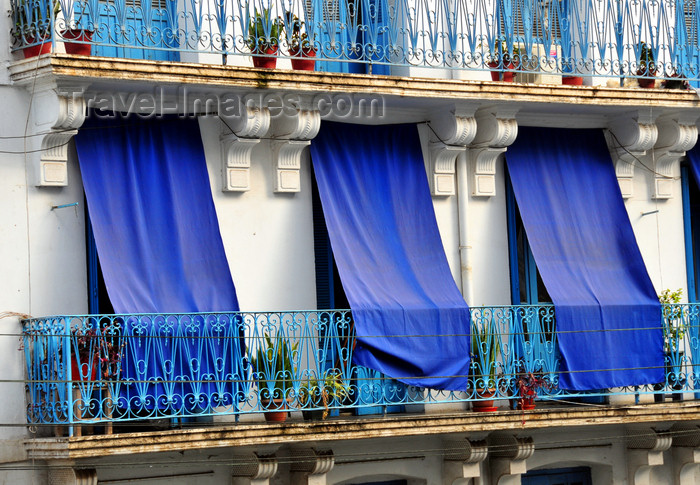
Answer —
268 237
42 261
659 235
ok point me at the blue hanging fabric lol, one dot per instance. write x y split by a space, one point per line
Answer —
608 316
694 158
160 250
411 321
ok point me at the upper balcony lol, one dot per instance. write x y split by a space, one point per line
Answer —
549 41
106 369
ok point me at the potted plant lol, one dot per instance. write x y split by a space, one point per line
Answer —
674 329
85 358
77 29
528 383
486 346
503 62
301 50
32 20
646 68
274 373
315 394
263 38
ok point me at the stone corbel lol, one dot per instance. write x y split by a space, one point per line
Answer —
628 139
686 453
292 133
463 461
66 475
496 130
57 117
237 147
449 136
676 136
646 450
310 467
508 457
253 470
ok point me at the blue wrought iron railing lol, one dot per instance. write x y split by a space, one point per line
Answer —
615 38
130 367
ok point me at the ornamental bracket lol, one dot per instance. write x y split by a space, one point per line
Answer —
496 131
646 451
508 457
462 461
253 469
676 136
241 135
292 131
628 139
310 467
449 136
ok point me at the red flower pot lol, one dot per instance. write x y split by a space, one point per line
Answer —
484 406
278 411
572 80
304 60
508 76
78 372
36 50
646 83
526 403
266 62
79 35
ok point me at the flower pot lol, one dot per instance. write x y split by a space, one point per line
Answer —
646 83
304 60
79 35
572 80
277 410
484 406
80 372
526 403
313 415
496 72
266 62
38 49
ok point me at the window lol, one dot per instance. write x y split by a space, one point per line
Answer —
559 476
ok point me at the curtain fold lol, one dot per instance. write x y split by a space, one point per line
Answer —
411 321
608 317
160 249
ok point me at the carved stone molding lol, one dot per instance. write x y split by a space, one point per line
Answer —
292 134
686 453
253 469
676 136
463 461
496 130
57 117
449 135
508 456
237 147
309 466
646 448
628 139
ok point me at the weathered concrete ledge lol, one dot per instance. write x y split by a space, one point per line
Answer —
242 435
96 71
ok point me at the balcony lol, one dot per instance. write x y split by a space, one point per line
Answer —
602 41
106 369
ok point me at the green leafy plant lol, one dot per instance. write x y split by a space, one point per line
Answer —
298 38
262 24
331 389
646 66
273 368
486 345
32 18
674 326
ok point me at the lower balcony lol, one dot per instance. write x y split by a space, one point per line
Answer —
112 370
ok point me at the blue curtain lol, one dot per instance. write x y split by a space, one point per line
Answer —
160 250
410 319
608 316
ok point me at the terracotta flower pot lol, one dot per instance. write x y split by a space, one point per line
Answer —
278 410
78 372
79 35
508 76
484 406
266 62
38 49
572 80
526 403
304 60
